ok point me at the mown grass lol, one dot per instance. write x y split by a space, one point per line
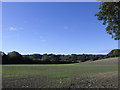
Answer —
55 75
38 65
54 71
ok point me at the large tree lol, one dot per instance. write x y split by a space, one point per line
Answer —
110 15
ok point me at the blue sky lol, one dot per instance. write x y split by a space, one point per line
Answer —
54 27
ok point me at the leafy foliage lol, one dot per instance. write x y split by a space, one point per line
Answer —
16 58
110 14
114 53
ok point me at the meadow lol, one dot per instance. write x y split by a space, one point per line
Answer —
90 74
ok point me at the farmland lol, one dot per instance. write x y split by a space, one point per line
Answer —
90 74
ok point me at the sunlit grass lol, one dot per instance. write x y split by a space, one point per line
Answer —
53 70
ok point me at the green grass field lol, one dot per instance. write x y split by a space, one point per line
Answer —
59 75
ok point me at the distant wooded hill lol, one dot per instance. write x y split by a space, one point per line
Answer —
114 53
16 58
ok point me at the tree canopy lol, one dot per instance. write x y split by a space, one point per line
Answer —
16 58
110 15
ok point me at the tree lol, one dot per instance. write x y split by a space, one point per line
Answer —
110 14
4 57
14 54
45 58
73 58
15 57
114 53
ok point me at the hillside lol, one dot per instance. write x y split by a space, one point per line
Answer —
107 61
114 53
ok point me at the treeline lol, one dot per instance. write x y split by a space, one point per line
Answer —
16 58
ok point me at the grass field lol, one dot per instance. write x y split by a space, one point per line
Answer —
91 74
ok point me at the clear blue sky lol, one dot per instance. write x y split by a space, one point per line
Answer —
59 28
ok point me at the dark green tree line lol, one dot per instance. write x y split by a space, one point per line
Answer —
17 58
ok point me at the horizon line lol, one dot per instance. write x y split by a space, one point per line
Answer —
54 53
